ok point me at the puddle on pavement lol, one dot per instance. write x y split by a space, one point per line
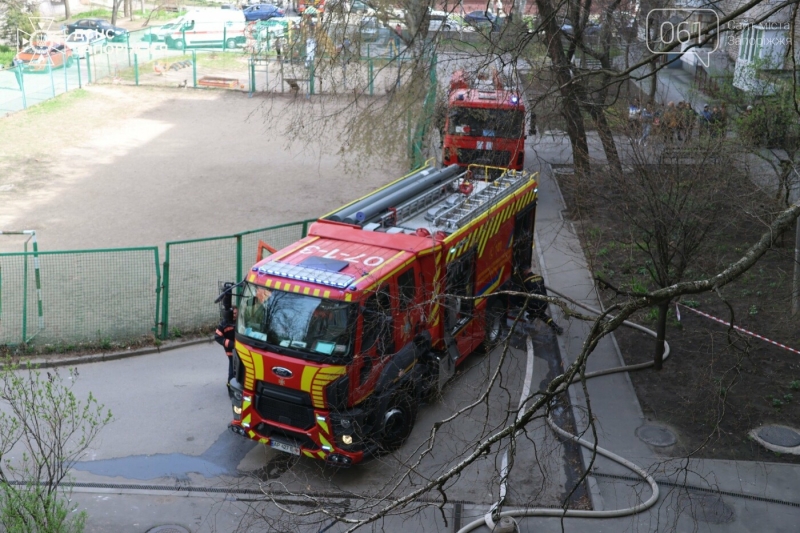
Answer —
221 458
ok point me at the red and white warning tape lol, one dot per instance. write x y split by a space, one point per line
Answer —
737 328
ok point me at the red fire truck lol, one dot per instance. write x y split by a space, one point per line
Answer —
485 122
341 335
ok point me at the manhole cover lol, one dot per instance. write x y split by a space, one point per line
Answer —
656 436
706 508
168 529
780 436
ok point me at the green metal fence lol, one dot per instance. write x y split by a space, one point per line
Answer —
194 268
113 295
78 296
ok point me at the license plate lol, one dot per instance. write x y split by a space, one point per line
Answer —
288 448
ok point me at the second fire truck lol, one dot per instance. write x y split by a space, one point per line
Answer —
341 335
485 122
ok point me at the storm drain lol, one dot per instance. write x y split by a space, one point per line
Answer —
169 529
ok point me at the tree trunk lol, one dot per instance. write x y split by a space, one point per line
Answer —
67 10
653 81
661 335
126 8
607 138
796 280
114 10
570 91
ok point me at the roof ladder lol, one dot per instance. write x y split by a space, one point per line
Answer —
472 205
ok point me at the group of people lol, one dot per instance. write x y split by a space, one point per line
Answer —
675 123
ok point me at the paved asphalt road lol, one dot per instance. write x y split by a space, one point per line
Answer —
170 431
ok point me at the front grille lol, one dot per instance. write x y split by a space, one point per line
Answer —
286 406
298 439
495 158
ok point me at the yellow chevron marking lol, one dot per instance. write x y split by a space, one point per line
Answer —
258 368
324 441
277 285
316 292
246 420
324 426
308 376
308 454
321 380
263 441
296 288
306 290
348 297
268 283
251 277
321 455
251 434
246 357
326 294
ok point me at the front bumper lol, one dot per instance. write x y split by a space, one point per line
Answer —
323 440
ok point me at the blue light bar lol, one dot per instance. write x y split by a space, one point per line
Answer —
303 273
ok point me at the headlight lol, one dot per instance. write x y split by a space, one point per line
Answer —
237 410
347 439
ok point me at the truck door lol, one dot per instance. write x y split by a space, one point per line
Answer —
377 340
460 283
523 238
408 311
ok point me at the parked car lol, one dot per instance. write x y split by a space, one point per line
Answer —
111 32
442 21
82 41
44 55
482 20
262 12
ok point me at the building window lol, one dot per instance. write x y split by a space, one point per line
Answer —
750 47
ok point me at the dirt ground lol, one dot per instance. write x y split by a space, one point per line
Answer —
717 385
115 166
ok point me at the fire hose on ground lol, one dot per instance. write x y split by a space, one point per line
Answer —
489 519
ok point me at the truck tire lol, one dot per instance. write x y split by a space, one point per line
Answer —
179 44
231 43
495 314
397 421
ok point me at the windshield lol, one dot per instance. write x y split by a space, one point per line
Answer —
480 122
296 321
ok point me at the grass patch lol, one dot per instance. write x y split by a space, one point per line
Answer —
61 101
6 55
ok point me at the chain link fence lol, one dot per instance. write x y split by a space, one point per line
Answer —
193 270
87 296
101 296
276 56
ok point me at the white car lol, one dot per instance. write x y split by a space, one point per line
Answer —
442 21
82 41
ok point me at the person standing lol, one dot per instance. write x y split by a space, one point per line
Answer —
535 308
634 112
225 335
705 120
647 122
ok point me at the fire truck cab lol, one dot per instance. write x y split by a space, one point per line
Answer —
341 335
485 122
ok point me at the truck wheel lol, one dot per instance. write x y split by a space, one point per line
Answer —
230 43
495 314
398 421
179 44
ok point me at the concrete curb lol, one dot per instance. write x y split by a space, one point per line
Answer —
113 356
